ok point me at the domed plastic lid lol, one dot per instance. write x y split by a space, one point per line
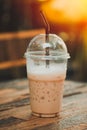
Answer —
55 45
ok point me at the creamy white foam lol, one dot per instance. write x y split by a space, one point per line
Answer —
50 73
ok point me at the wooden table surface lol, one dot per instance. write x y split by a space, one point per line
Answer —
15 113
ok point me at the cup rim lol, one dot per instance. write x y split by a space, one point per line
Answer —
38 55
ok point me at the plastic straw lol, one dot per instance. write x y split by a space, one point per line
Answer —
47 31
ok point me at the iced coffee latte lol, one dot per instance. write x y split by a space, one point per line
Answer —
46 63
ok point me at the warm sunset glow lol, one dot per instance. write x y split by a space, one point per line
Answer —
66 10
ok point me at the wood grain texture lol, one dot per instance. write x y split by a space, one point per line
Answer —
15 113
13 46
20 34
14 63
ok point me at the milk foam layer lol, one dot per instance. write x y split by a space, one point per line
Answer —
51 73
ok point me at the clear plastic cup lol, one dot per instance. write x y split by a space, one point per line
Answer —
46 74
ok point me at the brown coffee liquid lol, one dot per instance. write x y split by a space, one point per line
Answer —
46 95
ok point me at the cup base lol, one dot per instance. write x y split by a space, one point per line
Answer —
45 115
